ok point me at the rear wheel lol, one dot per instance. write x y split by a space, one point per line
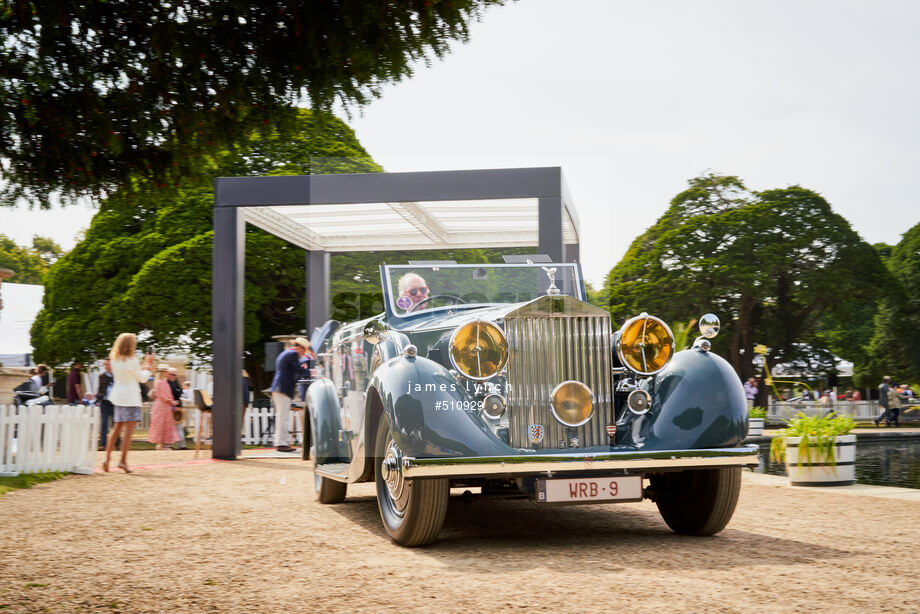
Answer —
698 502
412 511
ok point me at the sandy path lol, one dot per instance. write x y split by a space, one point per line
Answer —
247 536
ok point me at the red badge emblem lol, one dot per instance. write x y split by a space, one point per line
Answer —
536 433
611 430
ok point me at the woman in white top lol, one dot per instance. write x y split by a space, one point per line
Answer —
126 394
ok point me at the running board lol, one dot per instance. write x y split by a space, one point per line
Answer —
334 471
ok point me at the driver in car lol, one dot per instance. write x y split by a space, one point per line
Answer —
412 291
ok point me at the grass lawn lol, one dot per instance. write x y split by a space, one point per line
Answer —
27 480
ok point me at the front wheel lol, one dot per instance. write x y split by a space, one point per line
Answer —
698 502
412 510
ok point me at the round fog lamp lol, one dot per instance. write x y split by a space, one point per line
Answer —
639 402
494 406
572 403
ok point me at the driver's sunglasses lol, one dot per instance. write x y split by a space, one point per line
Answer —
419 290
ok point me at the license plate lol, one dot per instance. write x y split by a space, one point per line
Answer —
625 488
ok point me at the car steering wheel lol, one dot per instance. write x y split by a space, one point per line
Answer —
456 300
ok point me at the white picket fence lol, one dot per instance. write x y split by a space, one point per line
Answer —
52 438
258 427
258 424
64 437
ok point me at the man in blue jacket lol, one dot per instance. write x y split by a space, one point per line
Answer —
287 371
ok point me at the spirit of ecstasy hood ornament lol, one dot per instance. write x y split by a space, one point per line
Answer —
551 273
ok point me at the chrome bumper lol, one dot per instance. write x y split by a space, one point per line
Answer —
548 464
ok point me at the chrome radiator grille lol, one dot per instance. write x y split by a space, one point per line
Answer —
546 350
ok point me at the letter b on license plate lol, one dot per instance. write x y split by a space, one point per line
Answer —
624 488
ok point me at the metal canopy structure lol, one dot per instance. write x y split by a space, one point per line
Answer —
400 226
323 214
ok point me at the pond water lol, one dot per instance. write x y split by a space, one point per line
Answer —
878 461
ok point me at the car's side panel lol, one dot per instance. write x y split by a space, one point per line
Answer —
697 402
431 413
327 427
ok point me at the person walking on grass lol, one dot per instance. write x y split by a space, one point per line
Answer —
162 426
883 389
894 405
127 374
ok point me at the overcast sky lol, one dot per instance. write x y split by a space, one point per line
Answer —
634 98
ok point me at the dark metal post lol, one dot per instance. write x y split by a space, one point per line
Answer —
572 252
549 233
317 289
227 329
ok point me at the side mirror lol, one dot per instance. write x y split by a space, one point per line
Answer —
375 330
709 325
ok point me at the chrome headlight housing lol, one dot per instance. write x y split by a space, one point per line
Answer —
478 350
572 403
645 344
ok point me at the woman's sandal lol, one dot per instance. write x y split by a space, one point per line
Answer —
105 466
124 468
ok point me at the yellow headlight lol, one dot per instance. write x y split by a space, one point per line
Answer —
479 349
646 344
572 403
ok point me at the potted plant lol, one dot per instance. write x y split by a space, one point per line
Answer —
818 450
756 416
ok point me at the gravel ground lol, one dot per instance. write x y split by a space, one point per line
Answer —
247 536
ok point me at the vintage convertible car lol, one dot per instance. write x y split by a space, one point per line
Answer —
503 377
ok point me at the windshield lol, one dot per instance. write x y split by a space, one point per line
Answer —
411 289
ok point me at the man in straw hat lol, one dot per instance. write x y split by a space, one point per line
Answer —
287 372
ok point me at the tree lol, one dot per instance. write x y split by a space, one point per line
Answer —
896 338
779 267
94 94
30 264
144 263
47 249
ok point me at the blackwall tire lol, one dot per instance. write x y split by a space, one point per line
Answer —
329 491
415 517
698 502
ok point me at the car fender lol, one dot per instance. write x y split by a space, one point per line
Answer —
324 418
430 412
697 402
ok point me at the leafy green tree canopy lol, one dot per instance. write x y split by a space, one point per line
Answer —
145 261
895 347
95 93
779 267
29 263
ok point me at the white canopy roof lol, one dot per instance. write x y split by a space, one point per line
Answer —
509 222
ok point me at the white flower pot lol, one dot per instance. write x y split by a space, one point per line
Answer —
755 427
840 471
